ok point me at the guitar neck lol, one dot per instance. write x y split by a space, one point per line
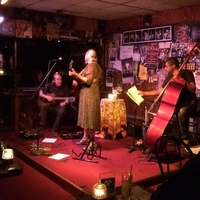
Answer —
60 98
70 99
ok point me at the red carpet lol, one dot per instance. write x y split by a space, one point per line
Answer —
80 176
31 185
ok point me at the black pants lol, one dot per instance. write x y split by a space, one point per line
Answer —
55 109
179 124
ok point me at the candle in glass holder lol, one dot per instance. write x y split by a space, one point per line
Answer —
110 96
7 154
99 191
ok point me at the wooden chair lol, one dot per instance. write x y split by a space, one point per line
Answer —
168 150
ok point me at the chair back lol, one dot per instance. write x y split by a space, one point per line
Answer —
169 150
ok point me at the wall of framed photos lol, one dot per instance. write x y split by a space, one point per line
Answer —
156 34
141 63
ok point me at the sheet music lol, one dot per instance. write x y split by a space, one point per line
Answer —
133 94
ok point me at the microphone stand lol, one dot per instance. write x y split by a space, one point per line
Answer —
38 151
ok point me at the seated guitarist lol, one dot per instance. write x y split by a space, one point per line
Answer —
52 90
187 102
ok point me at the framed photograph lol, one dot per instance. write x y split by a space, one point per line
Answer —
195 33
156 34
108 178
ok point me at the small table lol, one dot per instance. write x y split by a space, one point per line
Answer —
113 115
138 192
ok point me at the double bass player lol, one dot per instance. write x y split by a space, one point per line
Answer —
186 102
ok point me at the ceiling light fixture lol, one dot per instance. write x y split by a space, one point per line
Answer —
1 10
1 19
3 1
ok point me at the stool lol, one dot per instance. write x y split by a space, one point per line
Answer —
194 126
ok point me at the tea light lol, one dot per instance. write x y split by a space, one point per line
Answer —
7 154
110 96
99 191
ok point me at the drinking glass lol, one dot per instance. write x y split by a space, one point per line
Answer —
126 185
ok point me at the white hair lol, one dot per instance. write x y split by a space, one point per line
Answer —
91 53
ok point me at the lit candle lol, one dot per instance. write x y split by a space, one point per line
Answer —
7 154
110 96
99 191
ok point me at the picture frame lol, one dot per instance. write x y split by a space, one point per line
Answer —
155 34
108 178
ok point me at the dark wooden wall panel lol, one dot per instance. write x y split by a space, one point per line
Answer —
189 14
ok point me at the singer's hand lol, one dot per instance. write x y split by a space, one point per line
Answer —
72 72
71 65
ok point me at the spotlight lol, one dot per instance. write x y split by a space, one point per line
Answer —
1 18
3 1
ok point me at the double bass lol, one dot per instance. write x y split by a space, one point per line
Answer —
170 95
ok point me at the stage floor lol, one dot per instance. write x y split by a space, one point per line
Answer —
77 175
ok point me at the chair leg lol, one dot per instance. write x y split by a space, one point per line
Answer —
193 130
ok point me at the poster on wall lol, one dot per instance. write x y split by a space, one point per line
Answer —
126 52
53 31
126 56
182 33
195 33
143 52
179 50
127 67
39 30
112 54
164 51
23 29
114 62
117 38
109 77
8 27
142 72
152 53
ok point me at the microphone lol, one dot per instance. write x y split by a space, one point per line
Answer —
71 65
57 59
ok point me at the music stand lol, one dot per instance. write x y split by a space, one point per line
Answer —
133 147
39 149
137 99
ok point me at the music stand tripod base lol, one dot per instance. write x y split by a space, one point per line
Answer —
86 160
90 151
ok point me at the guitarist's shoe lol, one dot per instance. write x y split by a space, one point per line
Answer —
54 133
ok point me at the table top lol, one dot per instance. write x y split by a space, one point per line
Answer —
138 193
111 100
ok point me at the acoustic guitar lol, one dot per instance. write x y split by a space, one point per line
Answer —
70 99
